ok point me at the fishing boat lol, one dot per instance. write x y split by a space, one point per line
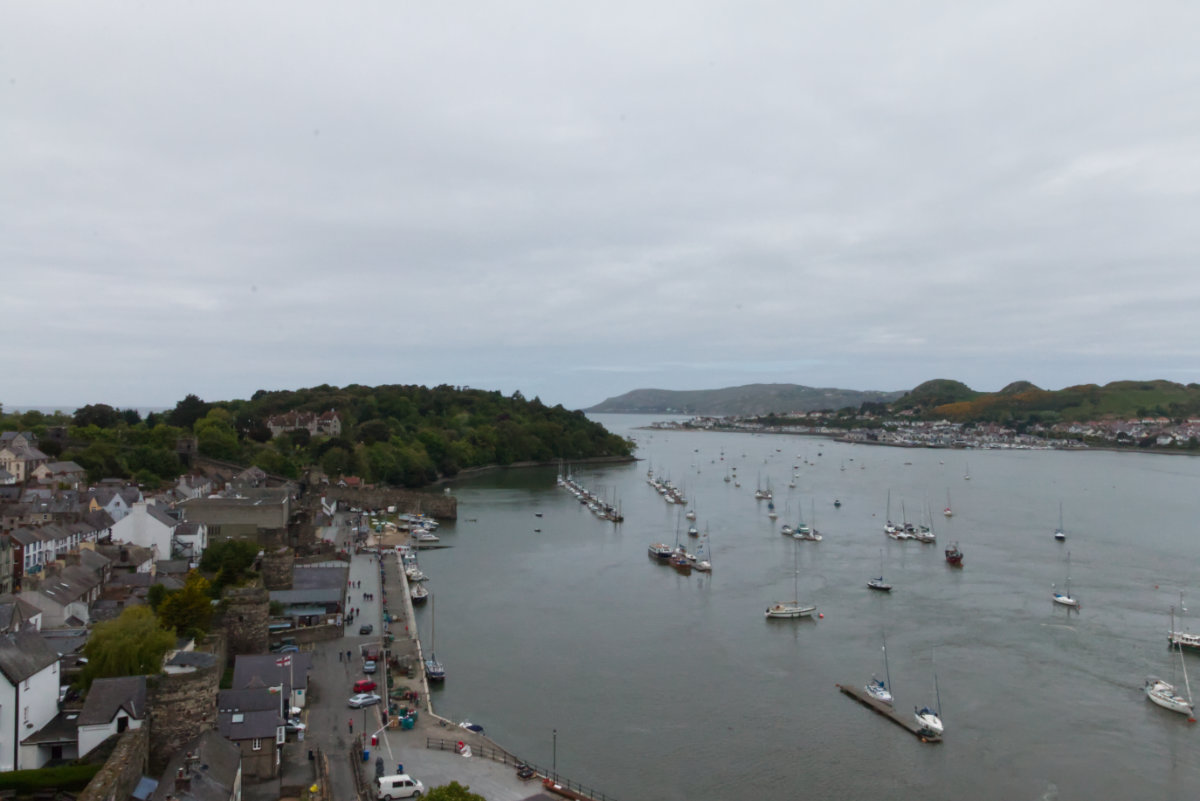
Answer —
792 608
1166 694
660 551
1059 534
953 555
808 531
434 670
878 690
879 583
1182 639
1065 598
929 719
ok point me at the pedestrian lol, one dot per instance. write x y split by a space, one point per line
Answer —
347 656
339 656
351 722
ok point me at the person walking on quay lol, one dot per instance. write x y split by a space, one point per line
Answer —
351 724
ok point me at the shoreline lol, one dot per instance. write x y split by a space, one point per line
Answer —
841 438
469 472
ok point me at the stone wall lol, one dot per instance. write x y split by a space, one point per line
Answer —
439 506
247 612
182 705
125 766
277 568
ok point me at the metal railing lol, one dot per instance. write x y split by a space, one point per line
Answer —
505 758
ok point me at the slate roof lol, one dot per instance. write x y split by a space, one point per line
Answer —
199 659
109 696
212 774
24 654
257 700
71 585
13 608
262 724
99 520
260 670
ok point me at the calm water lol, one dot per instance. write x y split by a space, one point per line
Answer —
663 686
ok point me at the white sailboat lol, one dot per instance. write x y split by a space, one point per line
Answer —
930 718
703 555
808 531
881 691
1059 534
967 474
1065 598
792 608
948 512
434 670
1166 694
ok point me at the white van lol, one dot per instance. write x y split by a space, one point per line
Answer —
399 786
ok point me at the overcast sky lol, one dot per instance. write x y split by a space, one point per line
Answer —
580 199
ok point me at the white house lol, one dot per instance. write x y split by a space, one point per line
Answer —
29 681
112 706
147 526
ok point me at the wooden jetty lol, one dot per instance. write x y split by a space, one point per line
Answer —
905 721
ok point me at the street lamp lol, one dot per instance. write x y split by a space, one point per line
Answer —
554 768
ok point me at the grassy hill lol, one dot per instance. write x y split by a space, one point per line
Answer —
1119 399
751 399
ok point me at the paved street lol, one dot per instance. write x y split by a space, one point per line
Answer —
329 718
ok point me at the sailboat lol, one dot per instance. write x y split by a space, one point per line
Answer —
948 512
879 583
703 555
1065 598
1167 695
930 719
967 474
434 670
792 608
881 691
1058 532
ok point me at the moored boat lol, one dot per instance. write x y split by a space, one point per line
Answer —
953 555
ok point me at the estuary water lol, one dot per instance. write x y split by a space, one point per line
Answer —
575 649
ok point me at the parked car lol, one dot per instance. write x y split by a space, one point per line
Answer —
286 649
366 628
399 786
294 725
364 699
364 686
369 666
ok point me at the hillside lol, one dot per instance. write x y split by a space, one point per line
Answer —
1025 402
751 399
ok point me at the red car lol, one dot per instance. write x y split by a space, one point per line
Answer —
364 686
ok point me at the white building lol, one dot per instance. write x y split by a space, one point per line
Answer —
29 680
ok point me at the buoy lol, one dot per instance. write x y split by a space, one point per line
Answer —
821 615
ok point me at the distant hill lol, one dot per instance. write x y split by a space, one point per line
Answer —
745 400
1022 401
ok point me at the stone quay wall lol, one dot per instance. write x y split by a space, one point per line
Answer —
439 507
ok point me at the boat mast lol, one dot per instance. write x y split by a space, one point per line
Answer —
937 695
886 670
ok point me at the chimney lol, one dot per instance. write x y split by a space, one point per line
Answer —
183 782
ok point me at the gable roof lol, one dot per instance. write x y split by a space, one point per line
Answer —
211 774
256 700
24 654
107 697
262 670
246 725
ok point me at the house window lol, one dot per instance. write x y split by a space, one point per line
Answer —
256 744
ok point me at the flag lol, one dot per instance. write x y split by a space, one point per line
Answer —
284 661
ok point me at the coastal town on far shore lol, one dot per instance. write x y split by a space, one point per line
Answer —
1155 434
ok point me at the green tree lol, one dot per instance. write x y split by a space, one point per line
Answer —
97 414
453 792
189 610
130 645
187 412
216 436
230 560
